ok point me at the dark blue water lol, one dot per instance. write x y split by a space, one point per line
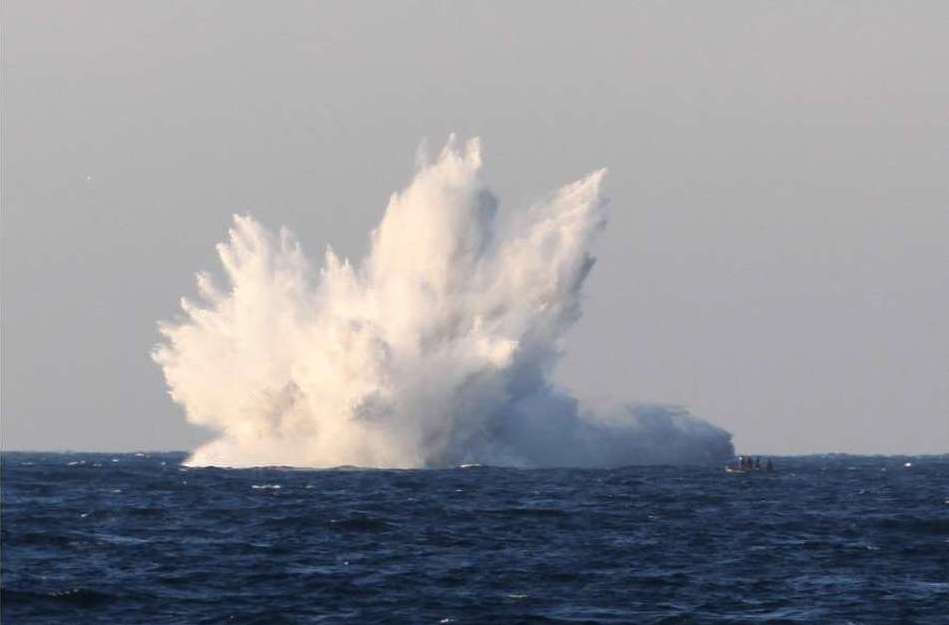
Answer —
139 539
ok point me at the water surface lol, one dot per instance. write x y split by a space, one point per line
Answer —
132 538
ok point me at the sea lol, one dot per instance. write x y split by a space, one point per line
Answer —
140 538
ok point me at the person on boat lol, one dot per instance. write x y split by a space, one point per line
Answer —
758 463
769 467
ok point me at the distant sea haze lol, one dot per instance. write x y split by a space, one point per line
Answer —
435 350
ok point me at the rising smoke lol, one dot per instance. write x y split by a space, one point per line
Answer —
436 350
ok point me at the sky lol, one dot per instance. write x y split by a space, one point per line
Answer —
777 254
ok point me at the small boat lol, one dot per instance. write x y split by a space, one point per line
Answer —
744 465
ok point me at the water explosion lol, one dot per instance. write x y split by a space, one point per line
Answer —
436 350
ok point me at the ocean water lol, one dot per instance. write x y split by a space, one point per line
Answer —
133 538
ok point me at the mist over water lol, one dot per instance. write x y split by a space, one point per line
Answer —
435 350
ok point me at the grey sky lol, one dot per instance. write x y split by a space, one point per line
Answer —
776 259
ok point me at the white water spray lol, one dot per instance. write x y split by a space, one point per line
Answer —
434 351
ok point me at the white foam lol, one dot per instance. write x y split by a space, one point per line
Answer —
435 350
